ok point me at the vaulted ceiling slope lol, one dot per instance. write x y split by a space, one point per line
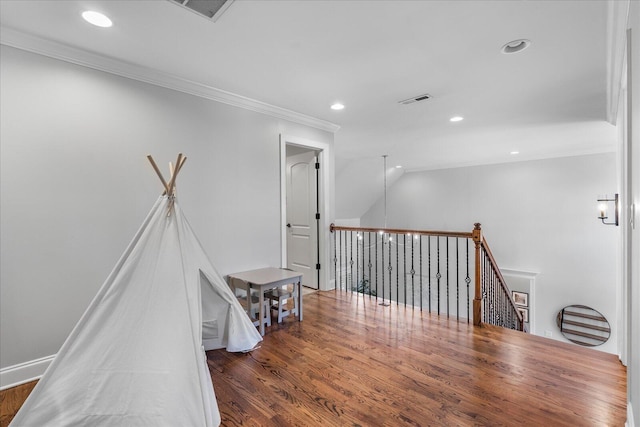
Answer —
548 100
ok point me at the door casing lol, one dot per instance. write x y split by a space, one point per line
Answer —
324 158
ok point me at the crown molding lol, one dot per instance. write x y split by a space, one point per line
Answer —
52 49
519 159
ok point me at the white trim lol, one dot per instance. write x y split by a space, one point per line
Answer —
324 157
84 58
21 373
630 422
623 256
519 273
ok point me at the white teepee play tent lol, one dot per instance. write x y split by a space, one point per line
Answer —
137 355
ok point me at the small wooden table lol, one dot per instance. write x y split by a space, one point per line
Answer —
264 279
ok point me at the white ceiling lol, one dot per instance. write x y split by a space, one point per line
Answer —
547 101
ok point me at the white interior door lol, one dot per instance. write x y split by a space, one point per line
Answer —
302 225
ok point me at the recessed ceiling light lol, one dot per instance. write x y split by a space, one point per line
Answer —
399 167
456 119
97 19
513 153
337 106
516 46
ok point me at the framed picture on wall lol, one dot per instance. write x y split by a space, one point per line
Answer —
525 314
520 298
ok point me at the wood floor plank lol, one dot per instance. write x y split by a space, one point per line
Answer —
353 362
12 399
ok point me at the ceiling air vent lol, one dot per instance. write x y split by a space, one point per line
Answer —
415 99
210 9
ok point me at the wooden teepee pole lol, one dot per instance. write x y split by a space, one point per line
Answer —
172 181
155 168
174 171
169 188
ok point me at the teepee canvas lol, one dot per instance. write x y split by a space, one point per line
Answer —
137 355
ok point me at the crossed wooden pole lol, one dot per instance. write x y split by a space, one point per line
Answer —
169 188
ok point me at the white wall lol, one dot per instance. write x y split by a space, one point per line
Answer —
75 186
361 183
537 216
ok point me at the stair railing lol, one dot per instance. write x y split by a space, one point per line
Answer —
493 302
429 270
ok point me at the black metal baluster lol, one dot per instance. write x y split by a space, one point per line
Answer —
363 254
420 249
488 280
390 270
495 296
468 281
404 268
346 261
397 269
447 264
438 275
370 264
496 284
503 310
491 289
498 299
358 263
457 280
429 269
340 258
351 260
490 296
364 257
376 234
484 287
361 238
335 257
413 272
382 266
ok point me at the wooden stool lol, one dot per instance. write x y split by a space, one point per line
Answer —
255 312
278 296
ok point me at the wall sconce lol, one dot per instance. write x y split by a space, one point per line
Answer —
603 206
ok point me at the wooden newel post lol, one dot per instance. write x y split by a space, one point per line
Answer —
477 299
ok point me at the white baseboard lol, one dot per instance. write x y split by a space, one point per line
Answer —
12 376
630 422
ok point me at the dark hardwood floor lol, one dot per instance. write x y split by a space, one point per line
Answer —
352 362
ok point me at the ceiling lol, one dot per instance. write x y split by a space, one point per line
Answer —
546 101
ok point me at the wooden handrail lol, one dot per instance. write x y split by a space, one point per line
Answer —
482 245
498 273
461 234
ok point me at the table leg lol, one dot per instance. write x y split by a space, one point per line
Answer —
300 300
261 309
